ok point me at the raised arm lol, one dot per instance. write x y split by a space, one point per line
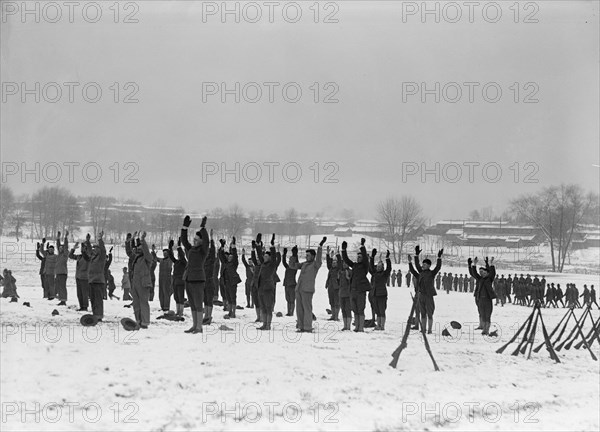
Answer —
388 264
172 256
329 260
492 272
244 259
147 255
235 261
72 252
65 251
412 270
473 270
221 253
39 252
259 253
418 264
212 250
128 248
184 239
347 260
284 258
101 244
372 264
438 266
319 257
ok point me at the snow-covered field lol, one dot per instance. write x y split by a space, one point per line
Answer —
57 375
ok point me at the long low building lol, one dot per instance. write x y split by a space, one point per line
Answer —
482 234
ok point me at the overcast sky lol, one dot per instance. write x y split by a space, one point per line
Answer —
368 134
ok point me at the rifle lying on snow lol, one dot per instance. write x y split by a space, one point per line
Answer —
403 343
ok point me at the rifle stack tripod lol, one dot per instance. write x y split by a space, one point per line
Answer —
530 327
403 344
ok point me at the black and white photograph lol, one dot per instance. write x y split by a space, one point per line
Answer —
308 215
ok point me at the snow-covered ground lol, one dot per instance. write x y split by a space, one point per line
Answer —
57 375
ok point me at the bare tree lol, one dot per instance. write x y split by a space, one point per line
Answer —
98 206
291 222
400 216
235 221
474 215
7 205
51 207
19 214
558 212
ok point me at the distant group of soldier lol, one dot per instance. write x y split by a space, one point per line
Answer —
524 289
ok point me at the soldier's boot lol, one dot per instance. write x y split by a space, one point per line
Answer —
486 328
208 318
429 325
269 318
382 324
263 319
198 329
193 327
232 307
257 314
361 323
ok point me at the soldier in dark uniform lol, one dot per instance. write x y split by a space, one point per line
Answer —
593 297
231 278
249 266
289 280
393 278
425 278
484 293
266 281
178 284
39 253
449 283
558 295
210 284
585 295
399 278
332 285
345 275
195 275
378 277
359 285
550 296
508 289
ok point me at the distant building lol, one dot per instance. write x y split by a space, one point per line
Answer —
482 234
